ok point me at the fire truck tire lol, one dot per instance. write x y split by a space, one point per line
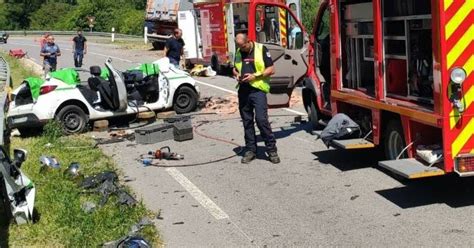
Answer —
158 45
394 140
313 115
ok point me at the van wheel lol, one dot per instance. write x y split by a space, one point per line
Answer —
73 119
394 141
185 100
313 115
158 45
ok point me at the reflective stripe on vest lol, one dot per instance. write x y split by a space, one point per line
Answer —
261 83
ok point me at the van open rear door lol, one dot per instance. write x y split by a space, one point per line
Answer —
275 26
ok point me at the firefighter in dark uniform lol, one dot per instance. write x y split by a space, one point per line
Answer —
253 68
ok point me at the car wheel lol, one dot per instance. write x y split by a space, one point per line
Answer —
73 119
313 115
185 100
394 141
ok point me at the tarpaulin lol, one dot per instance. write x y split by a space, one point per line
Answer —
148 69
67 75
35 85
104 73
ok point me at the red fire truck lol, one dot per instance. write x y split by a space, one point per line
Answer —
217 22
403 70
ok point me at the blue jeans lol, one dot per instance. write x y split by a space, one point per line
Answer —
78 56
174 62
253 106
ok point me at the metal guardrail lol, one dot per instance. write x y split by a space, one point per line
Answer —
72 33
5 85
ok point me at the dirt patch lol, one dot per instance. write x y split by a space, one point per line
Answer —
221 105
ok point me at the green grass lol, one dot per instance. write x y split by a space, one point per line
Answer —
62 222
126 44
17 70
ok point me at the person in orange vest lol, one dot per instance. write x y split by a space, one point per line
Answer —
253 67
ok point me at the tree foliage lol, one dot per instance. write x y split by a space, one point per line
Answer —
309 10
126 16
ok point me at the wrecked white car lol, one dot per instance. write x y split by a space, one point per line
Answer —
107 93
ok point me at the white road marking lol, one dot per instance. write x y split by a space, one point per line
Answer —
235 93
195 192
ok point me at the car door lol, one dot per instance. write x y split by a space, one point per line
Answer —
281 32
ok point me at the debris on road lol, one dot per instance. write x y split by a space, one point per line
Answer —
105 184
128 242
48 162
179 223
88 207
72 171
201 71
17 53
221 105
354 197
121 133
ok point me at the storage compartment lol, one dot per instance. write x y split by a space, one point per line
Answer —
358 46
183 131
408 42
154 134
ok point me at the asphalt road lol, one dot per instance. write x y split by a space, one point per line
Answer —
315 197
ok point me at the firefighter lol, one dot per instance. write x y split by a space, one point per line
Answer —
253 68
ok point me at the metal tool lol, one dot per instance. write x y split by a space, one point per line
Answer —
165 153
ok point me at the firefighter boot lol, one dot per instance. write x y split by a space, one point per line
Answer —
248 157
273 156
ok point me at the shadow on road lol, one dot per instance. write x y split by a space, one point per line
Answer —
345 160
451 190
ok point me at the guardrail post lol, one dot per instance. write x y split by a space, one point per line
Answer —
145 33
113 35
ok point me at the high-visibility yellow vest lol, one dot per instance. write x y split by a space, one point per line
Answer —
261 83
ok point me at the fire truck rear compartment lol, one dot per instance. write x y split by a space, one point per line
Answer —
408 52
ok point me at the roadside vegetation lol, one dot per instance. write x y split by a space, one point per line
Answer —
60 217
17 70
126 16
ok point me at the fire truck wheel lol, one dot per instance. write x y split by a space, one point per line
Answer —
394 141
313 116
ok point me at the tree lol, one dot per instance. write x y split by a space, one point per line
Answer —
43 20
309 9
